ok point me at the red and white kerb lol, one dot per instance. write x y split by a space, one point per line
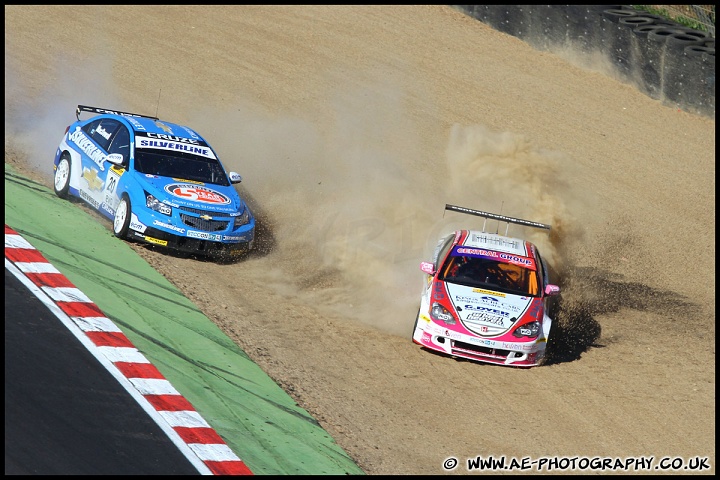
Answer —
200 443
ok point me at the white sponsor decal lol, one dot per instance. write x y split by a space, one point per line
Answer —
170 145
173 138
103 133
204 235
168 226
136 124
135 224
89 147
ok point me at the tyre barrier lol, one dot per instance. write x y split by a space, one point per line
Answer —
662 58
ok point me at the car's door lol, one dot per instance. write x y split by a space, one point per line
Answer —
119 145
95 166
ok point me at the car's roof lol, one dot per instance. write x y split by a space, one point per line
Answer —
151 125
497 242
143 125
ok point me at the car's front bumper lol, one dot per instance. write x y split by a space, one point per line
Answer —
516 354
196 246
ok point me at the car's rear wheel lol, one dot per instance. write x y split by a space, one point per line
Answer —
121 222
61 182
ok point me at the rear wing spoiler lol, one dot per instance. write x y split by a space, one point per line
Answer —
100 111
501 218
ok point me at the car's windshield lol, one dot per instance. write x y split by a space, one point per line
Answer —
490 273
180 165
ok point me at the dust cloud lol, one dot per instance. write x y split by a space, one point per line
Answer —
345 216
346 211
36 115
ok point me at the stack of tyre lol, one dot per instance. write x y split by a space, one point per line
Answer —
666 60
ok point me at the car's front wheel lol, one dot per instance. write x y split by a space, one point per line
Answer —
121 222
61 182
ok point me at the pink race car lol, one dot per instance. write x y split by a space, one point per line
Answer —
487 297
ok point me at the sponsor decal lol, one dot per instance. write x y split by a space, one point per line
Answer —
204 235
196 193
168 226
536 310
496 320
453 335
137 125
156 241
478 308
489 301
110 187
145 142
91 177
476 252
172 138
118 169
135 224
190 132
518 346
188 181
102 132
165 128
232 238
438 291
527 262
150 175
89 199
500 242
107 209
113 112
484 299
481 341
88 147
492 255
489 292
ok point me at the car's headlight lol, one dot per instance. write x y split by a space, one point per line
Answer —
442 314
531 330
241 220
154 204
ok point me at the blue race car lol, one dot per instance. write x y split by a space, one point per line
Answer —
160 183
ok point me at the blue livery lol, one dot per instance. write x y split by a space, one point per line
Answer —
158 182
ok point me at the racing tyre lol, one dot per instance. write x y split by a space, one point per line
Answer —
61 182
121 222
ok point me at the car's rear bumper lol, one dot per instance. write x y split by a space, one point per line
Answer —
515 354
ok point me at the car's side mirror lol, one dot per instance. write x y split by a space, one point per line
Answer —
427 267
235 177
551 290
115 158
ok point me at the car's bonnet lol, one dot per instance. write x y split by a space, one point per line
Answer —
487 312
184 193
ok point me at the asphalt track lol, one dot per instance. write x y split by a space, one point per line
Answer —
253 415
65 414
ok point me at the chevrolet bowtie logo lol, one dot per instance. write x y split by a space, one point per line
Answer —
206 217
91 177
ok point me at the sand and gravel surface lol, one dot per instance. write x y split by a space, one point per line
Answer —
353 126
